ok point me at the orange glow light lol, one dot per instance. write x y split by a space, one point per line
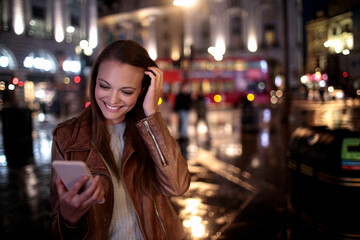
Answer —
217 98
250 97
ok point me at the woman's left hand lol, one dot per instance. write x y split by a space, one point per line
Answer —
154 92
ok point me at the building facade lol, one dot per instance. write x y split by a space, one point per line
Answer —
41 58
333 47
213 29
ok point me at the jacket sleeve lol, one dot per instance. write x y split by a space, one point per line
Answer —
171 168
58 226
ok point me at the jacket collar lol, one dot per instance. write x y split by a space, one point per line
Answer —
81 138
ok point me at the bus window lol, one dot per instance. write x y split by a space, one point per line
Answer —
206 88
228 86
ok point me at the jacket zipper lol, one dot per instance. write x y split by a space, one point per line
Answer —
163 161
158 216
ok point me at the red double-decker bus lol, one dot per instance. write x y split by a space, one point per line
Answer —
224 82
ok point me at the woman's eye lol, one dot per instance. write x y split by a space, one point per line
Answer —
127 93
103 86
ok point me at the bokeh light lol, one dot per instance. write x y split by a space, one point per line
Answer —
217 98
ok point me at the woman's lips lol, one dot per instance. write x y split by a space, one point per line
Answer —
111 108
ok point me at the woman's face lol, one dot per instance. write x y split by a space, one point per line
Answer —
118 86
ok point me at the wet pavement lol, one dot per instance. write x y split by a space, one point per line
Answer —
240 181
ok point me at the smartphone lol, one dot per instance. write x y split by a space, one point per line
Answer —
71 171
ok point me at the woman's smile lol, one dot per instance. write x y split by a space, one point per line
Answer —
112 108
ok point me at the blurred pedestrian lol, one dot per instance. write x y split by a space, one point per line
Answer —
55 107
201 111
123 139
321 93
166 109
249 118
183 104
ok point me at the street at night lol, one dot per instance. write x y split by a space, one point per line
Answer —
261 97
240 181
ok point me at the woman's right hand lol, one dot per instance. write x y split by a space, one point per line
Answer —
73 203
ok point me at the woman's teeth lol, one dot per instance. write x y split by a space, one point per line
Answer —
112 108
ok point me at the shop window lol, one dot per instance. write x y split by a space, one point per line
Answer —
41 61
7 59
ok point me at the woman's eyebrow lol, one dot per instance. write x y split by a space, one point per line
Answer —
103 80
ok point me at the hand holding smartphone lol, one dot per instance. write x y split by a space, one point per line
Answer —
71 171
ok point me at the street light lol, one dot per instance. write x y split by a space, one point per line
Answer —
84 47
183 3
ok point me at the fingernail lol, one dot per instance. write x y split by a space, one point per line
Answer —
102 201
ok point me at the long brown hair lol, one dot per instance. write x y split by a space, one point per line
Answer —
130 52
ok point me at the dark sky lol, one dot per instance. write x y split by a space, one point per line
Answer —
310 7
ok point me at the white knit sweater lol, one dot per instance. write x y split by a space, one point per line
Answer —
124 224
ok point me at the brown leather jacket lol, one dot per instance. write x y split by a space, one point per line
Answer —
156 216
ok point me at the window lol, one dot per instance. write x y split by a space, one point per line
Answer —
235 31
235 25
74 20
38 12
37 23
5 19
346 28
234 3
270 35
205 36
166 36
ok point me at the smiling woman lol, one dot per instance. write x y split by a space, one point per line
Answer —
129 150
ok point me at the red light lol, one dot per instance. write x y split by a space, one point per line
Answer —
15 81
87 104
345 74
77 79
21 83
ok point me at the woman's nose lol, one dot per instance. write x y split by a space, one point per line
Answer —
114 97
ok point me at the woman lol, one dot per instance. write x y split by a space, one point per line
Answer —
123 139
